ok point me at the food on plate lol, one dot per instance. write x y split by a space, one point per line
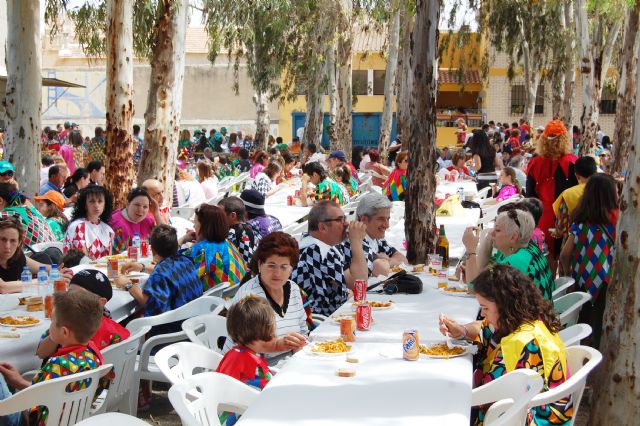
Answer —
19 320
418 268
353 359
115 256
453 278
345 372
375 304
32 303
36 307
455 290
331 347
396 269
441 349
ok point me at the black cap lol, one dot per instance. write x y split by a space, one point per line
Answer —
253 201
94 281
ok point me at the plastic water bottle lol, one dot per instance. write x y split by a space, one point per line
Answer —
54 274
43 281
135 241
134 248
27 285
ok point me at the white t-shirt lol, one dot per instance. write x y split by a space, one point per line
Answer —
190 193
210 187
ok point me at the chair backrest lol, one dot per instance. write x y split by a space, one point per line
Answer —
111 419
581 360
123 358
484 192
215 199
568 306
184 212
199 306
296 228
42 246
179 360
206 329
572 335
562 285
513 391
218 290
65 407
211 390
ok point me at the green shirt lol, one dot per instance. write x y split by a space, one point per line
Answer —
533 263
56 227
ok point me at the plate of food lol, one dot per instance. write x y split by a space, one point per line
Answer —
328 348
442 351
376 305
418 268
456 291
19 321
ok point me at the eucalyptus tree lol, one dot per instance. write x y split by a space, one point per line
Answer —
344 74
404 74
562 68
23 100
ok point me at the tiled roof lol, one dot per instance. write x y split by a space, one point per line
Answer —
450 76
196 40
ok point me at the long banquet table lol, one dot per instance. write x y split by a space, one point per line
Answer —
386 389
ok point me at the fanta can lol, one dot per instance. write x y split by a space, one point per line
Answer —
359 290
410 345
363 317
348 329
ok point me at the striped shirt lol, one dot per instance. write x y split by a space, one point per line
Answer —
293 317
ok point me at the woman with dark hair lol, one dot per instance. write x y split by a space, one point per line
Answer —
89 230
343 177
80 153
78 180
36 229
277 255
395 187
485 159
289 163
326 188
515 335
380 170
265 181
593 231
133 219
458 163
51 206
216 259
260 161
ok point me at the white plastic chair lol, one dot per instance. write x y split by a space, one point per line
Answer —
205 330
146 368
178 361
184 212
572 335
217 290
513 392
215 199
112 419
484 192
296 228
562 285
576 357
568 307
217 391
68 407
123 358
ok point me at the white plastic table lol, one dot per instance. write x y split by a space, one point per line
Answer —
469 186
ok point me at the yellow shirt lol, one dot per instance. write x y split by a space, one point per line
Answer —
571 197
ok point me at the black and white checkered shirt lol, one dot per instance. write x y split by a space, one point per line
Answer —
262 184
245 239
320 274
371 249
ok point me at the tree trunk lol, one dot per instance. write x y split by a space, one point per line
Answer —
313 120
162 118
419 202
332 89
262 120
119 100
557 81
23 100
345 97
404 79
570 70
616 388
626 96
531 89
386 122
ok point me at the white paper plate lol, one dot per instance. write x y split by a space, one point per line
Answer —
21 325
466 351
455 294
308 350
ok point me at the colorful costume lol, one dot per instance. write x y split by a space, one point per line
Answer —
395 187
530 261
506 192
124 230
564 206
96 238
328 189
35 226
217 263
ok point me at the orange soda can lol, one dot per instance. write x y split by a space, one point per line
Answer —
112 268
48 306
348 329
59 286
410 345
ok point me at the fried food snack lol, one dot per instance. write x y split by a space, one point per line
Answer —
441 349
26 320
331 347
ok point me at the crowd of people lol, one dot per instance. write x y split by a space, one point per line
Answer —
564 208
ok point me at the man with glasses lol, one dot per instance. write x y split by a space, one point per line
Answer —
374 212
155 189
321 271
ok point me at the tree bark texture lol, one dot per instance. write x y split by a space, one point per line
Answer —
626 96
386 121
557 81
616 387
419 202
262 120
404 79
164 103
23 100
119 101
332 89
570 66
344 62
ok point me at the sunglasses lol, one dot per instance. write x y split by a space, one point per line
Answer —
341 219
513 215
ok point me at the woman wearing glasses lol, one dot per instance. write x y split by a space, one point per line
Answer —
277 254
511 237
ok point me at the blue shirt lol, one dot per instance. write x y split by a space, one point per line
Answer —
172 283
48 186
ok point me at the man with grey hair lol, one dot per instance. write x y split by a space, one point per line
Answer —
374 211
321 271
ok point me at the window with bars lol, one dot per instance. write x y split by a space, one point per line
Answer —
518 98
360 82
378 81
608 101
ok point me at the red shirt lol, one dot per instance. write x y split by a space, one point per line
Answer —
109 333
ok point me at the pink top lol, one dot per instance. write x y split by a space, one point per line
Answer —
507 191
66 151
124 229
257 168
538 237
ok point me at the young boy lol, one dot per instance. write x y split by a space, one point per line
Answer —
110 332
75 319
243 361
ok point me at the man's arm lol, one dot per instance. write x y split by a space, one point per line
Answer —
358 269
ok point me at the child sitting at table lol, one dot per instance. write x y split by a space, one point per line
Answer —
76 317
110 332
244 362
509 186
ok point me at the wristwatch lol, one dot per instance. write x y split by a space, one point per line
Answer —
128 285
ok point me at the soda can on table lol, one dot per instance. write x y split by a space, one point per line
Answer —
59 286
144 248
461 193
132 253
48 306
363 317
359 290
112 268
289 200
348 329
410 345
297 193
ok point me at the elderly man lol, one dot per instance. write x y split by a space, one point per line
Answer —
337 158
321 270
241 234
374 211
57 176
157 208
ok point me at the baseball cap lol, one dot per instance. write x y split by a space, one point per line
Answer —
6 166
54 196
223 130
253 201
339 155
94 281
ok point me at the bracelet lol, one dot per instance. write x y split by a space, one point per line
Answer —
143 267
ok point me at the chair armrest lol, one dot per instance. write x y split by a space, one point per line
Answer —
151 343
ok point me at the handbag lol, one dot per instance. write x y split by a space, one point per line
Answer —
48 256
400 282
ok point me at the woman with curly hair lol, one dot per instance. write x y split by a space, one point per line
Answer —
89 230
515 335
548 175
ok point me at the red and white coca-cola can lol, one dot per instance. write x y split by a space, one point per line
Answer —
359 290
289 200
363 317
144 248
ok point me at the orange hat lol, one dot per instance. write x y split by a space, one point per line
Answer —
554 128
54 196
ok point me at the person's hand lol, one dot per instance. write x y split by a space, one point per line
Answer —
120 281
450 327
12 376
357 231
129 267
293 341
470 238
65 273
305 179
154 207
190 235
